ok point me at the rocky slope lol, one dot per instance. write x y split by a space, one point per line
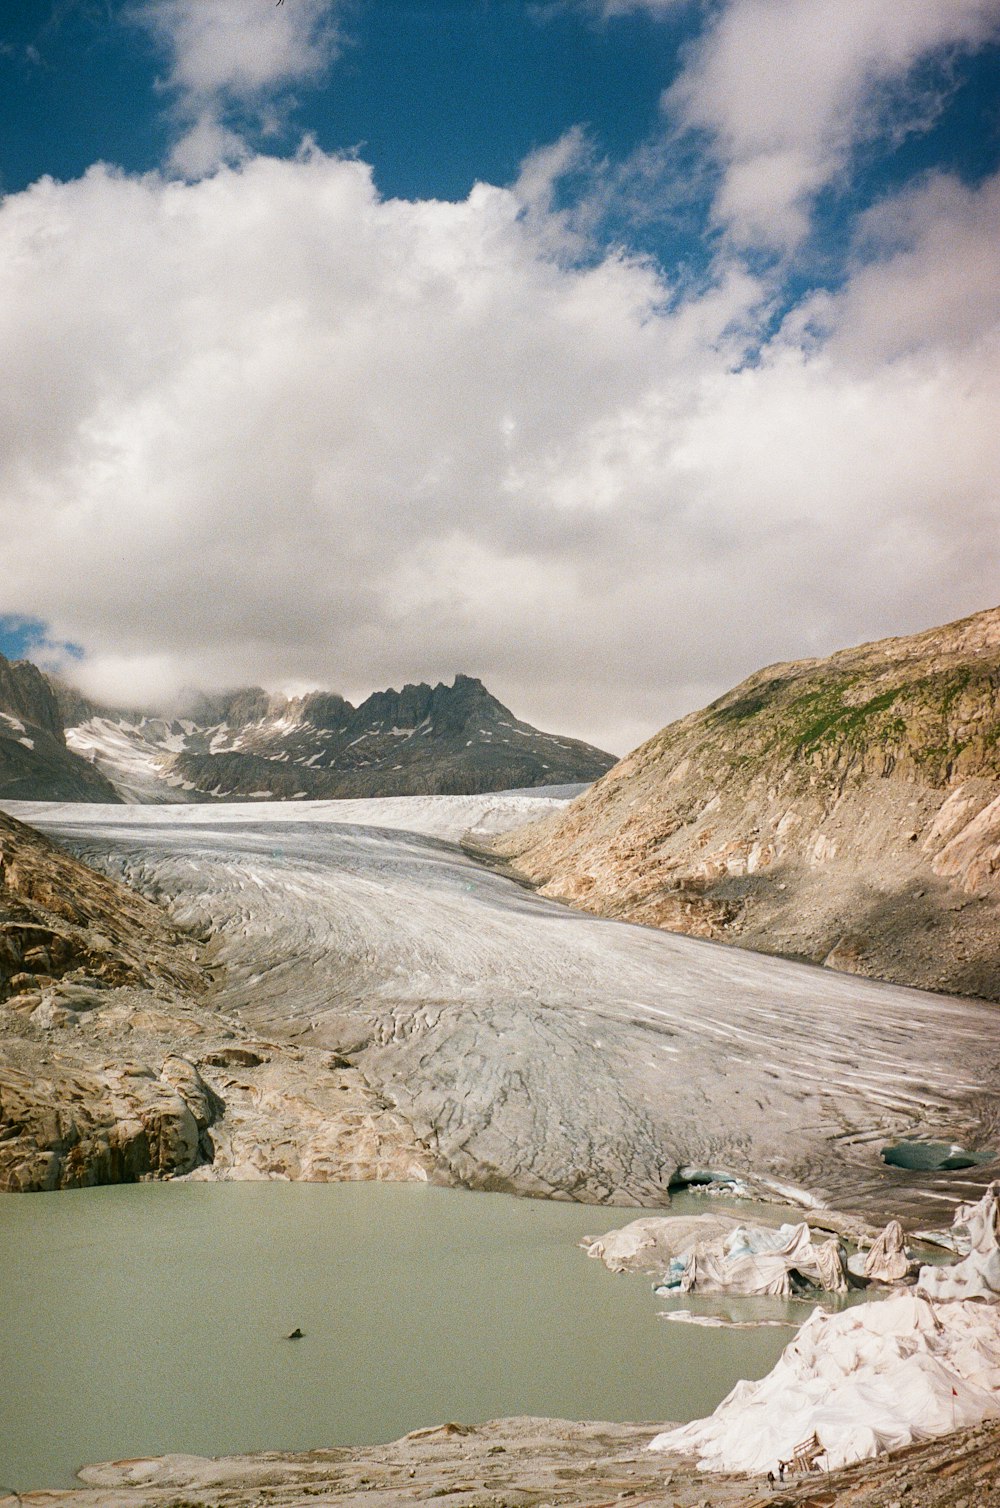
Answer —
35 764
115 1064
843 811
422 740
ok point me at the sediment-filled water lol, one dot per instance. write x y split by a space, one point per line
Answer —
151 1318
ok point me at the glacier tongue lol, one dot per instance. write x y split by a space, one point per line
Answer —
544 1050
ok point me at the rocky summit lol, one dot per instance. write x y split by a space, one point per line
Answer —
245 744
843 811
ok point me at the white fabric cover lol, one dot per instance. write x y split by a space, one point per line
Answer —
978 1276
757 1261
716 1254
876 1377
872 1378
887 1261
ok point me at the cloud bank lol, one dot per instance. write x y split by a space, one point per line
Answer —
268 426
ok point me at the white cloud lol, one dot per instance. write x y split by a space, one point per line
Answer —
786 88
225 52
304 435
204 145
933 286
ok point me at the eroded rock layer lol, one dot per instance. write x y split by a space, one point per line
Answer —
845 811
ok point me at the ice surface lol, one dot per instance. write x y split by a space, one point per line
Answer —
449 817
541 1049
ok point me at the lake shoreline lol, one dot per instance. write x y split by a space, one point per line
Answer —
530 1463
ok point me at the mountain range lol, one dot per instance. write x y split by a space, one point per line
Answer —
248 745
843 811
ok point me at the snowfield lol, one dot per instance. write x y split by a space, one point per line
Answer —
540 1049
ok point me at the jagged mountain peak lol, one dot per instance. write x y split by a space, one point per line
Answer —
246 743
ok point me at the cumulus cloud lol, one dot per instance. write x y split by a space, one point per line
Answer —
784 89
306 435
225 53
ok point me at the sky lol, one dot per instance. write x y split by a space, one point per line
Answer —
605 349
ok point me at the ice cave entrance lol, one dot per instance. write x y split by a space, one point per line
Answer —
932 1156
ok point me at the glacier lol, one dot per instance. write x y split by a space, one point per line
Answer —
541 1050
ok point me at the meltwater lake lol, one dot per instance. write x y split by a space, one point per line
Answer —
150 1318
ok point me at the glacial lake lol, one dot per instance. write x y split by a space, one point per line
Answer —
151 1318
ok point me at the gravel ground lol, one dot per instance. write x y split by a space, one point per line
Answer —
531 1463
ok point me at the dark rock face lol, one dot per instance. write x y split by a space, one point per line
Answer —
64 1125
27 695
69 940
844 811
422 740
35 764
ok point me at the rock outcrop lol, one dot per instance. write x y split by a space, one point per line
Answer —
117 1065
67 1122
35 764
843 811
60 919
423 740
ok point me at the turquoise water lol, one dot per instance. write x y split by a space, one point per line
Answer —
151 1318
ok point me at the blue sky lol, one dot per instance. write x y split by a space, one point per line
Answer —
439 94
542 455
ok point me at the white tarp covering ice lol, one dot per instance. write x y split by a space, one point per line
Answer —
753 1260
978 1275
887 1261
876 1377
718 1254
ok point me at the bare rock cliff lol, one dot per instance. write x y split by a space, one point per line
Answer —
843 811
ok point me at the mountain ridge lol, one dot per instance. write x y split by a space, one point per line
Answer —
35 763
844 811
247 744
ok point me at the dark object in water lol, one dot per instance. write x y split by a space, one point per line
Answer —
296 1334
